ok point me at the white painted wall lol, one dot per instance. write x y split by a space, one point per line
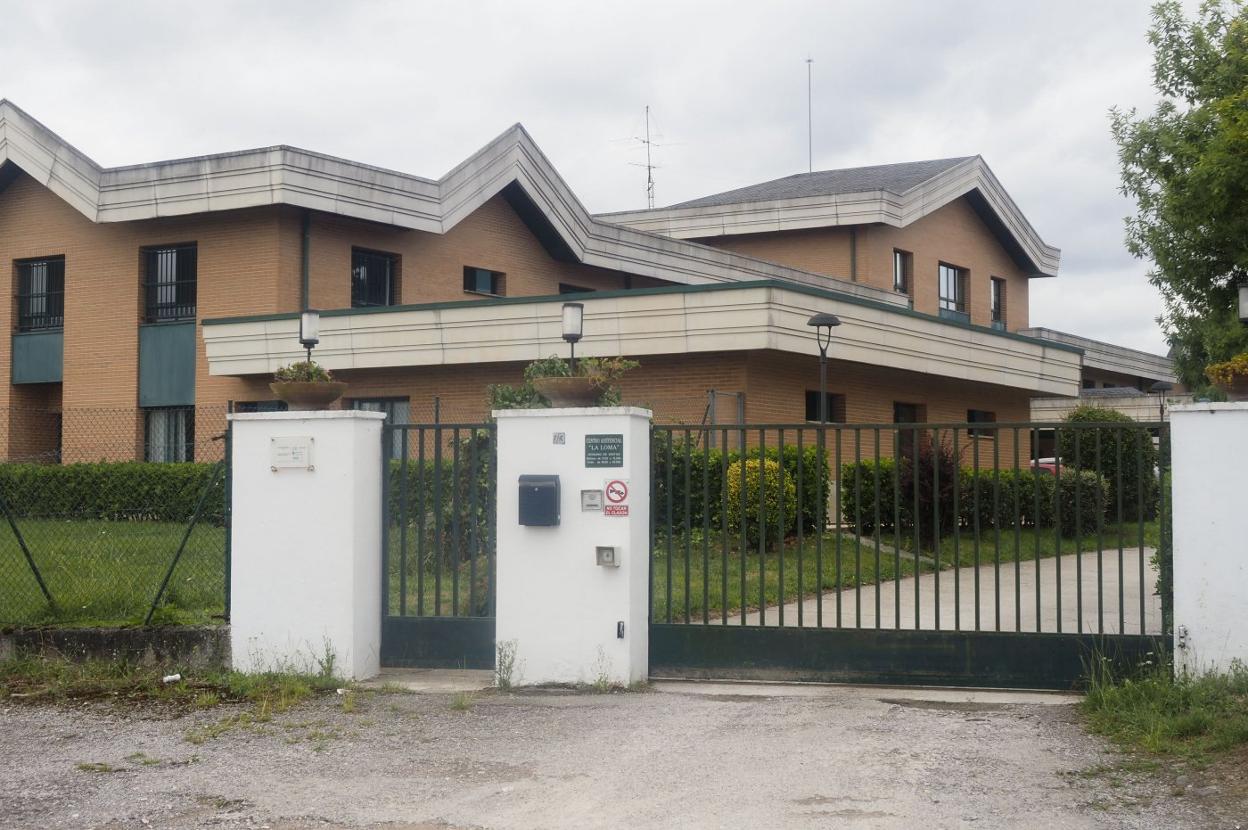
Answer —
557 606
306 575
1210 491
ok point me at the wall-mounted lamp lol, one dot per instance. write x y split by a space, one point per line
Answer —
1243 303
310 330
573 325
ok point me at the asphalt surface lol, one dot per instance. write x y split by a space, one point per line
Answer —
686 755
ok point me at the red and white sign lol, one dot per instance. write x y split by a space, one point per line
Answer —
616 491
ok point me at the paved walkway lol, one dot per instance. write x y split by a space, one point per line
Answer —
955 589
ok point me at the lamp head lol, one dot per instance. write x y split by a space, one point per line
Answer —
1243 303
310 328
823 324
573 321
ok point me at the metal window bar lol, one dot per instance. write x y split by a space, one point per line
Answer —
373 281
169 282
41 294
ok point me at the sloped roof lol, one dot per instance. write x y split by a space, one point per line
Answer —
512 165
896 178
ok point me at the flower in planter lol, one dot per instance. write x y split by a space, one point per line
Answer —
602 373
1229 371
305 371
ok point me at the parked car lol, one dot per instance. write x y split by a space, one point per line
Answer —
1048 466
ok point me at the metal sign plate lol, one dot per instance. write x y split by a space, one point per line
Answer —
292 452
604 450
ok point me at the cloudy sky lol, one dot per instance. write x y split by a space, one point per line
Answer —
417 86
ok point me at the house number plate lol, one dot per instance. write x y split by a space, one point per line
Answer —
291 453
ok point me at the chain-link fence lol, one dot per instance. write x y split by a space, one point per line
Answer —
112 516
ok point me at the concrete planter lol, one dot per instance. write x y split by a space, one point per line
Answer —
309 395
565 392
1237 390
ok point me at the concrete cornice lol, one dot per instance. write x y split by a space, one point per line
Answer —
1111 358
636 324
290 176
834 210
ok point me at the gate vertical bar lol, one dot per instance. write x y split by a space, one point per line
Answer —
403 501
875 477
957 537
801 521
385 521
688 486
780 528
935 525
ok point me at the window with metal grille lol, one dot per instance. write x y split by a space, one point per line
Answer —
260 406
169 281
398 411
902 263
169 433
998 301
952 288
483 281
374 278
836 407
41 294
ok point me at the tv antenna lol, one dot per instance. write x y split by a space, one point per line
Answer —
810 129
649 143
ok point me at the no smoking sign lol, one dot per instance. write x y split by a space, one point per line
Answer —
616 491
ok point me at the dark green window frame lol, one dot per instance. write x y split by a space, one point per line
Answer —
374 278
170 282
484 281
40 293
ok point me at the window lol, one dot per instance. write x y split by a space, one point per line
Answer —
566 288
260 406
1088 383
903 264
907 413
836 407
998 302
952 289
169 434
41 294
398 411
980 416
374 279
484 281
169 274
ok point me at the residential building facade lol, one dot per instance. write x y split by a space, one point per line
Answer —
167 293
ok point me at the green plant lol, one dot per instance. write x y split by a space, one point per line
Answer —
305 371
506 665
1120 451
1163 561
604 372
1082 495
765 506
462 701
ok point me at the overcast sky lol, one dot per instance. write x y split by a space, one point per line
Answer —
418 86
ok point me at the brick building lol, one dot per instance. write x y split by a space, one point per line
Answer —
164 293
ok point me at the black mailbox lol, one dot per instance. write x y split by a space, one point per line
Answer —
539 501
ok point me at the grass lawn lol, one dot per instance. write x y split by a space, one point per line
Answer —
107 573
704 578
450 591
698 585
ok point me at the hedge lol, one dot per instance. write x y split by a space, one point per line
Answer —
813 510
113 491
995 507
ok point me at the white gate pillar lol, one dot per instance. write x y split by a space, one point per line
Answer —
1209 460
306 542
570 612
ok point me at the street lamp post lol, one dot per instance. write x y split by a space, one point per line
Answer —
573 324
823 325
1161 387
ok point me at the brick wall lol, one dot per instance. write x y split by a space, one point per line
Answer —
954 234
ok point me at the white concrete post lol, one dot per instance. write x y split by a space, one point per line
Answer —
568 618
1209 461
306 544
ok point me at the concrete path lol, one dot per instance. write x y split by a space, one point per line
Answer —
922 593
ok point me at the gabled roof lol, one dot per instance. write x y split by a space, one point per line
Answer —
895 178
511 164
892 194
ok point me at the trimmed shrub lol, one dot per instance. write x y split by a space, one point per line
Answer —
113 491
857 496
1121 436
1090 493
746 504
1006 493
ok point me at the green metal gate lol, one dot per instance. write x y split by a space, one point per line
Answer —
437 532
944 554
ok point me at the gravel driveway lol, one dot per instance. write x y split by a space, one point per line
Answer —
683 756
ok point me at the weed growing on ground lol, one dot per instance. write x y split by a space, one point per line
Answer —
95 767
142 759
506 666
462 701
1160 712
348 702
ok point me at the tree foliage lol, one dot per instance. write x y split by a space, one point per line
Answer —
1186 166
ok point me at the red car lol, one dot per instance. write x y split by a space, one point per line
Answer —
1045 465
